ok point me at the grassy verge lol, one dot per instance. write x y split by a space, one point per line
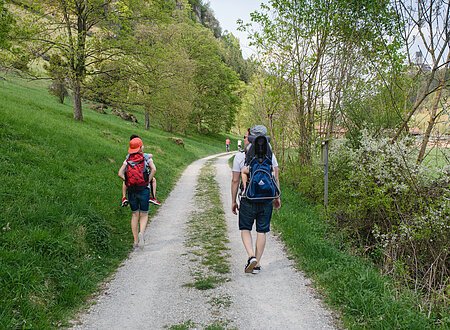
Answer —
62 231
365 299
206 246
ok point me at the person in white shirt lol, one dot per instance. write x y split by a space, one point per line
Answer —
249 213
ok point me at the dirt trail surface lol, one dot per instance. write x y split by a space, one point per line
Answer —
148 291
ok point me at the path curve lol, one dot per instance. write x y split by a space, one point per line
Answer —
147 291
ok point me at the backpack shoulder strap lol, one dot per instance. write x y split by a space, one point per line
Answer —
269 153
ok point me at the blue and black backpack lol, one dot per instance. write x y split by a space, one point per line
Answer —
261 185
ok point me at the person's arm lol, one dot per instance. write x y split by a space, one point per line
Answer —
124 189
121 172
244 176
275 173
277 201
234 191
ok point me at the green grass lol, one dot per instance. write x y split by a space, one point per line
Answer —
183 326
62 231
437 158
207 233
206 243
365 299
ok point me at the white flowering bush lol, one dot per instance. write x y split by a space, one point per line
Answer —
396 210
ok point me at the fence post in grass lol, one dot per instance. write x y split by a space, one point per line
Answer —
325 145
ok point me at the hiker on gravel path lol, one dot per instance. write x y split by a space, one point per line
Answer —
227 144
152 185
252 211
136 171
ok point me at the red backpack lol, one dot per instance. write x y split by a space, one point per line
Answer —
136 171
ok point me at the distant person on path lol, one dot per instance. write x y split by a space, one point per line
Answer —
239 144
137 171
252 211
152 185
227 144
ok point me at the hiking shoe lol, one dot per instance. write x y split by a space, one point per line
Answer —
251 263
154 201
135 247
256 270
141 241
125 202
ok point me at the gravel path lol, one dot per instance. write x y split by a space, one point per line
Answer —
148 291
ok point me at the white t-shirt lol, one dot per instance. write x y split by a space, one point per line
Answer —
239 162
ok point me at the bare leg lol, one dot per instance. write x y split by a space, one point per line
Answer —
134 225
143 219
260 245
248 244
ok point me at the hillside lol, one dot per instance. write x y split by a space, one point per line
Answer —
63 230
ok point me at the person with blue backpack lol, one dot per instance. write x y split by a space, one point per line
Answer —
137 171
260 192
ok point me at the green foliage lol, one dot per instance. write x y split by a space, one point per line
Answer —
379 105
57 70
129 53
365 299
62 230
233 58
326 52
393 210
175 71
203 13
6 21
267 100
216 85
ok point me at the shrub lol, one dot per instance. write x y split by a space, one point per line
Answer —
394 210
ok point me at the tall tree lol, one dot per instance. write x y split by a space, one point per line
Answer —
320 47
81 32
162 75
268 100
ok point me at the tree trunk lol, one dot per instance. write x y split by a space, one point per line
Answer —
77 109
431 122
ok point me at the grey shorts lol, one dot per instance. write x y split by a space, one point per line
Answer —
249 212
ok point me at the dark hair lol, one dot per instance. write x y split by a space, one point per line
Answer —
134 136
